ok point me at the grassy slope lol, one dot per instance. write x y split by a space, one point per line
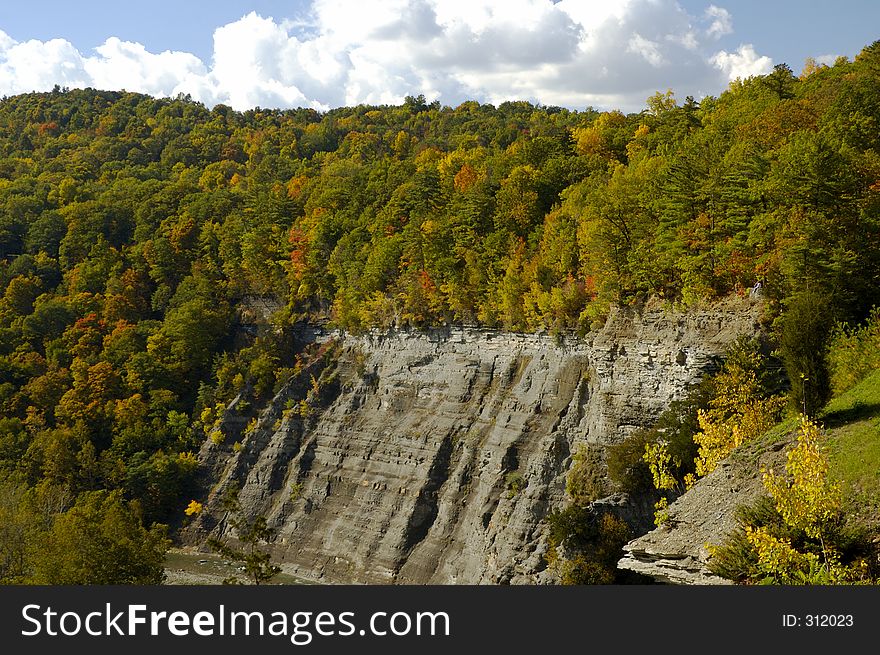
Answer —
852 421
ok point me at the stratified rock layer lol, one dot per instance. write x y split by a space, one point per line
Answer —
432 457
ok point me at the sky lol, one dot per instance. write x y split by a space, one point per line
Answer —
607 54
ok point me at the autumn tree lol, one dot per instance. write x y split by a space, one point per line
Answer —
809 502
100 540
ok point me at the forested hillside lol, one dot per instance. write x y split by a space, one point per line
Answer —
133 230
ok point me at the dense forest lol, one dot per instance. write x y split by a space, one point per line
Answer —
134 232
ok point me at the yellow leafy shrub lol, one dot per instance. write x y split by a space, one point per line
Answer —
737 414
807 499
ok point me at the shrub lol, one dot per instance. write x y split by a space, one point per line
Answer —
854 353
627 468
593 542
797 537
514 482
736 558
586 478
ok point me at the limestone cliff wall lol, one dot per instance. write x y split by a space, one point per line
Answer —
432 457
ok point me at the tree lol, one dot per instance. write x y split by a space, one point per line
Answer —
517 207
809 503
781 81
249 533
19 532
807 499
741 410
100 540
806 329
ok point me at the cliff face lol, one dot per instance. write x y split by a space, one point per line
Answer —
432 457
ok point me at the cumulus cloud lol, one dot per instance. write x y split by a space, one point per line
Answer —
130 63
39 65
604 53
745 62
720 22
6 41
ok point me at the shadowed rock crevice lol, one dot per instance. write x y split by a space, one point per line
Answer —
425 510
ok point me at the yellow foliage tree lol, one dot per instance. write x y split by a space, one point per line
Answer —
660 462
809 501
738 412
736 415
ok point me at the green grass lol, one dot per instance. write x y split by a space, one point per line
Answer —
852 422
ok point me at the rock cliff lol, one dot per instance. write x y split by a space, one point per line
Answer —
433 456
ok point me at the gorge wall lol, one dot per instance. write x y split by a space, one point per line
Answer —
432 457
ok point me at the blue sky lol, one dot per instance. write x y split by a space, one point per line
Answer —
325 53
791 30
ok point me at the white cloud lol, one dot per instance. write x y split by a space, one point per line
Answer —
255 63
138 70
40 65
647 49
6 41
743 63
605 53
720 22
827 60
